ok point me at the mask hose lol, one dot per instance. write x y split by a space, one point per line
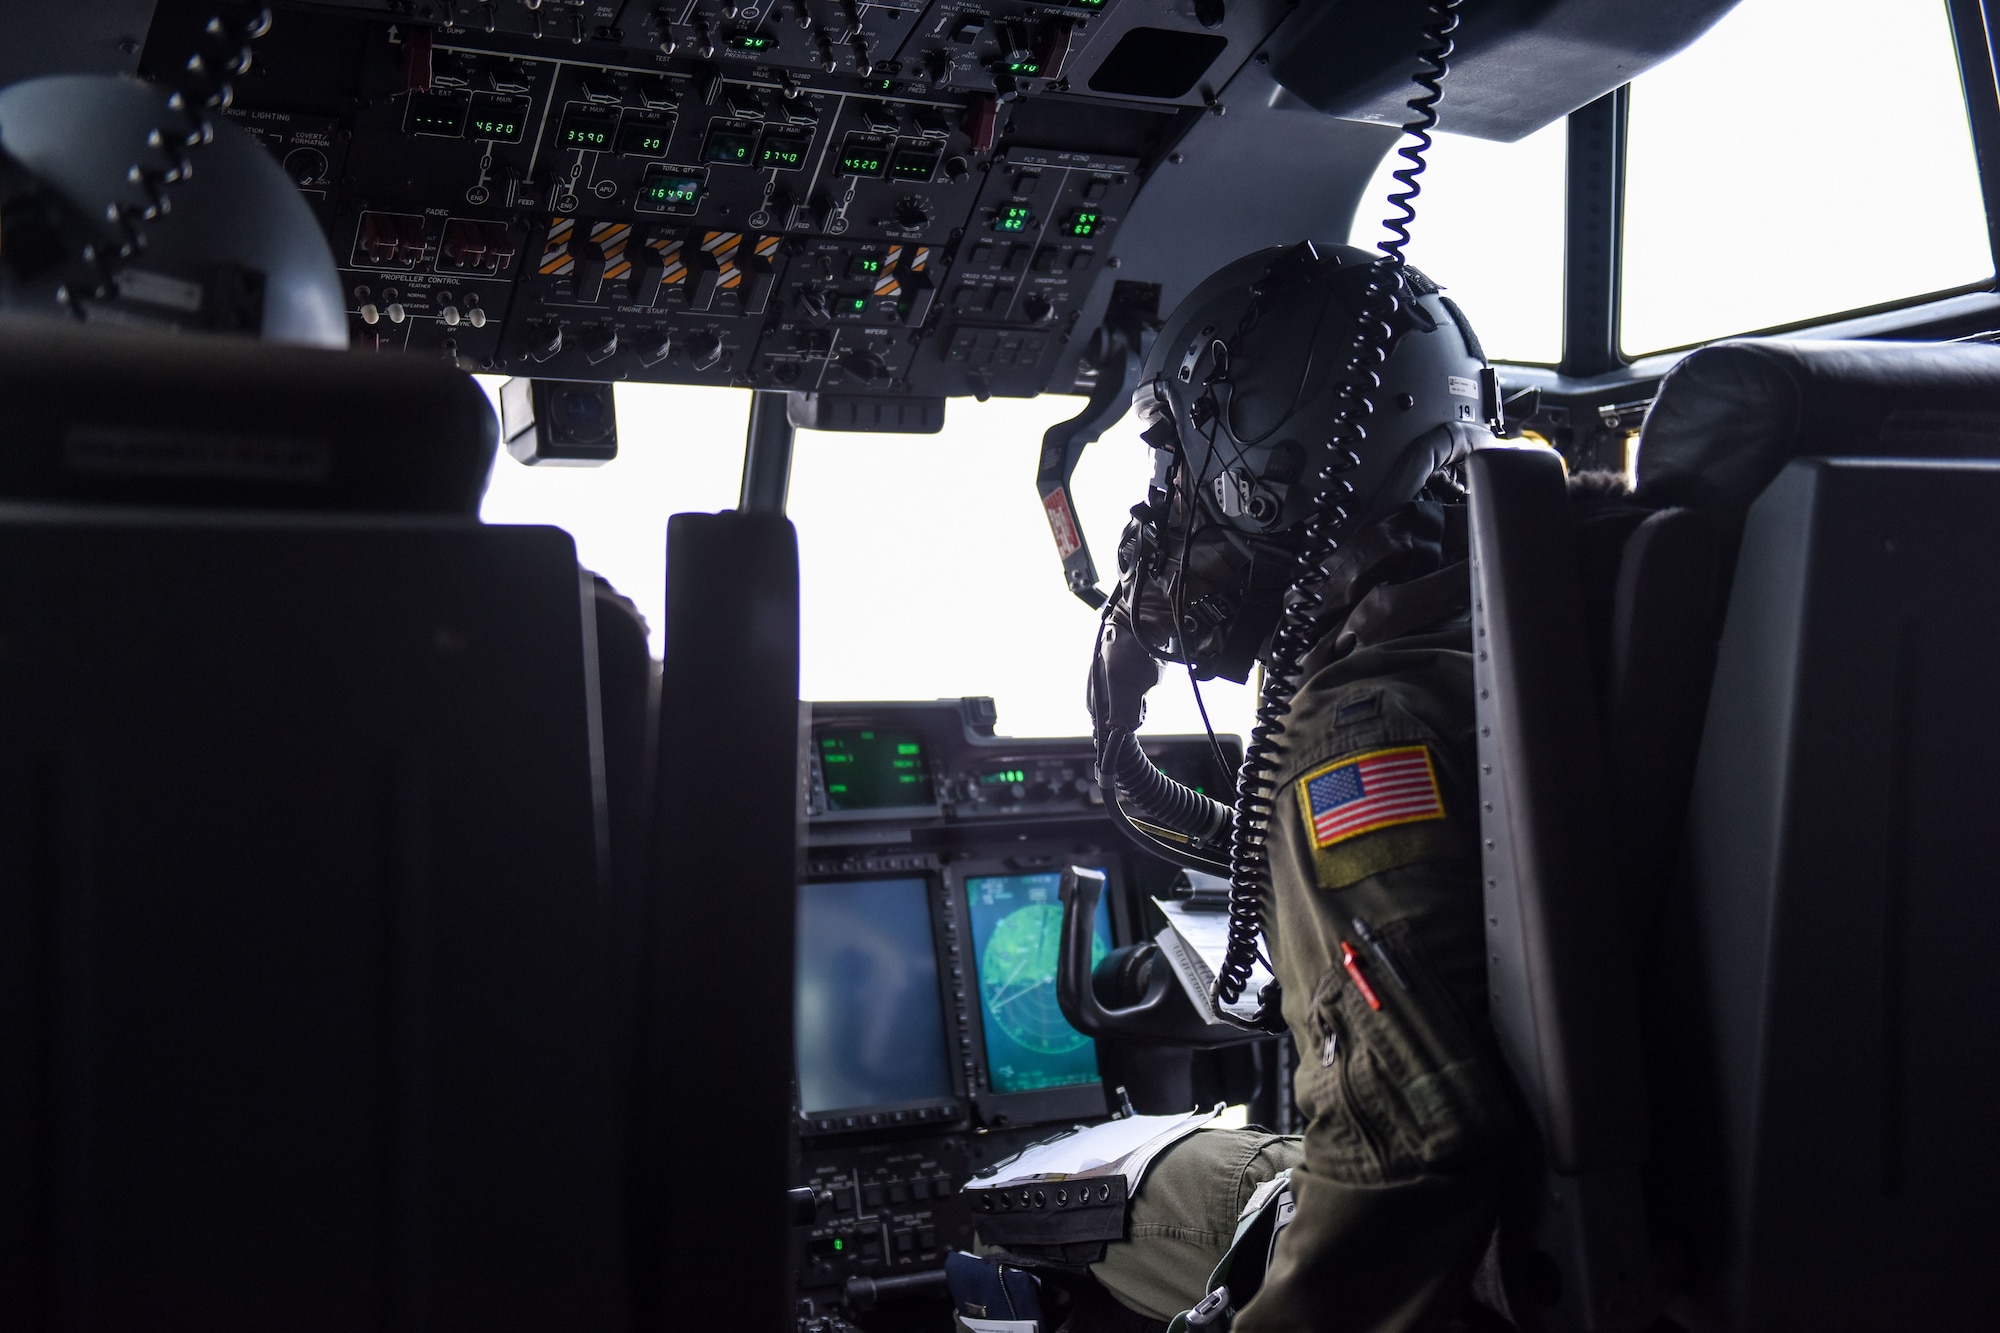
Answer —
1299 627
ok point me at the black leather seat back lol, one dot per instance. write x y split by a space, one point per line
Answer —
1660 656
1562 982
1835 1058
95 415
307 1020
1730 416
301 932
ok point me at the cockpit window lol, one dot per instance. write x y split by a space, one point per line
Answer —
926 567
1490 229
1802 159
927 570
680 448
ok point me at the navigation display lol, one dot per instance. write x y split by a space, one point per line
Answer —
874 768
1016 931
870 1026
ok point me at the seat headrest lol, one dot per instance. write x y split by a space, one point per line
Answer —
1731 416
96 415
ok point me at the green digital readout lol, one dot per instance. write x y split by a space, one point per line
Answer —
1013 218
865 266
851 307
783 149
1028 68
645 134
730 145
1084 222
588 129
916 165
752 41
670 192
864 155
874 769
1087 4
497 118
436 114
1006 777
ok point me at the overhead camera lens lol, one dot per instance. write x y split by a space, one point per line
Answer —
580 415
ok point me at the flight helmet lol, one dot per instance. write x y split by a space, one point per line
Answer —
1250 403
120 206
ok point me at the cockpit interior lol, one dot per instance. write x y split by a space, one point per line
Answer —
552 688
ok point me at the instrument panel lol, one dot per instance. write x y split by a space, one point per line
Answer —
872 199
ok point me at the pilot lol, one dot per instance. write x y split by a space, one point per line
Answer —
1309 407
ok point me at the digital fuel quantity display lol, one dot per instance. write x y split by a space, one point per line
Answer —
730 144
783 149
586 128
915 165
438 115
666 190
645 134
497 118
864 155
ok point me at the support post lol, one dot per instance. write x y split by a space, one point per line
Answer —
767 454
1594 227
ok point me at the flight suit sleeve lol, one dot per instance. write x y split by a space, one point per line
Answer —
1377 937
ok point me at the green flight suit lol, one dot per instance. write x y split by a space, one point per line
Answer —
1410 1116
1409 1113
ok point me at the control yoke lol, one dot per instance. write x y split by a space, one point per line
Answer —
1163 1014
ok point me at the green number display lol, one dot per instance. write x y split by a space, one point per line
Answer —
1084 222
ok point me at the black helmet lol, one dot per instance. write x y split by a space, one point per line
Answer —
1243 396
236 249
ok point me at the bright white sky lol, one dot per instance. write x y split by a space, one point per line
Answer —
1489 230
1804 158
926 567
1775 169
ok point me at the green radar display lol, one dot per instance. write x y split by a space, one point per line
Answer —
1016 932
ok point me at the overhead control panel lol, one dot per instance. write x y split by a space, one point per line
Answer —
886 198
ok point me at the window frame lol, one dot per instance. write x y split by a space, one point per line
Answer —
1594 218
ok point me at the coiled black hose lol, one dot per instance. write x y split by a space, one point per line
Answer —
203 85
1300 625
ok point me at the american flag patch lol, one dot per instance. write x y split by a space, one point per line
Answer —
1365 792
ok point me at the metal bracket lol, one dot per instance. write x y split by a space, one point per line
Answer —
1117 348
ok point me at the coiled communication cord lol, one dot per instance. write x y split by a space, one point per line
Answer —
1299 627
204 86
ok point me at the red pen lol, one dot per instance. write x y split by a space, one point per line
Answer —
1353 966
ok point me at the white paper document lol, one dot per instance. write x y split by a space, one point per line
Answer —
1194 945
1124 1147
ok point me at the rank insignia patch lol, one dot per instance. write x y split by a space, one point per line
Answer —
1365 792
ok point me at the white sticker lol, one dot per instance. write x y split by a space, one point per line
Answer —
158 289
1462 387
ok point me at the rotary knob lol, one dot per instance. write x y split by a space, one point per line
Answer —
704 350
912 212
544 343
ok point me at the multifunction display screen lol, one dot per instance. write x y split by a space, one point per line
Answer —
870 1028
1016 936
874 768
